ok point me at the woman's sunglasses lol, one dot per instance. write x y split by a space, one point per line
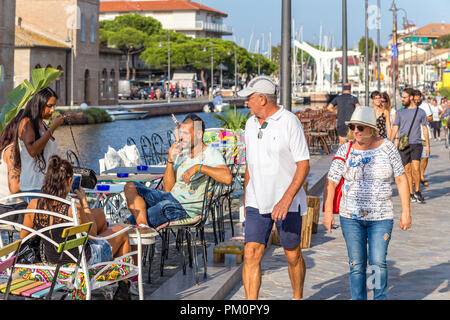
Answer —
351 126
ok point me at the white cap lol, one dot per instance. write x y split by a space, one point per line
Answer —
260 84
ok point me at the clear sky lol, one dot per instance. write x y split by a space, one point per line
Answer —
264 16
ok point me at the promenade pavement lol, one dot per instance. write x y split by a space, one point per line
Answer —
418 259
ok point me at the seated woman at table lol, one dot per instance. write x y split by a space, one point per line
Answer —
190 164
58 182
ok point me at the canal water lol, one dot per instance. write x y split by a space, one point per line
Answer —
93 140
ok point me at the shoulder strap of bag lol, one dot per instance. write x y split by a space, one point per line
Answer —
348 151
415 114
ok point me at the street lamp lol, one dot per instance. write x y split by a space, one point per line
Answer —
212 67
378 45
394 10
344 43
70 40
168 66
366 58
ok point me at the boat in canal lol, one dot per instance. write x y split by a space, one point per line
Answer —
126 114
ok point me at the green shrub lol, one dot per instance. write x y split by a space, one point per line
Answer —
96 115
445 92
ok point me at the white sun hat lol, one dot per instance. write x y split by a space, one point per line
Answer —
364 115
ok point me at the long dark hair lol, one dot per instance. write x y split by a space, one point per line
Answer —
9 133
33 110
59 172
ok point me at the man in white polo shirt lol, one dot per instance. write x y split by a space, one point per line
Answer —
277 165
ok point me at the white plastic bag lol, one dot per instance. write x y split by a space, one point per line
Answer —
130 156
112 159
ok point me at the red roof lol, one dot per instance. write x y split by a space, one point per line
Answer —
163 5
350 60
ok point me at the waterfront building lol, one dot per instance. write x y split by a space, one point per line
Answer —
46 33
7 8
184 16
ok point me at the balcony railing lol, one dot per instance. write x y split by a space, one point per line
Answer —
215 27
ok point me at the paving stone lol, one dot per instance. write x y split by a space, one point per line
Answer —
418 259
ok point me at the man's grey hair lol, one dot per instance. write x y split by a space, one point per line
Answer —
271 98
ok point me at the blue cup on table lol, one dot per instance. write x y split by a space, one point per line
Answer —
102 187
122 175
142 168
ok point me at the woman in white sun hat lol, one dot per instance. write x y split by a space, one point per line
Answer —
365 209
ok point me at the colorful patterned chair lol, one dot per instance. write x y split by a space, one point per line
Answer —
100 275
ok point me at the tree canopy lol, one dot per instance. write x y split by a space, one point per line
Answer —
135 34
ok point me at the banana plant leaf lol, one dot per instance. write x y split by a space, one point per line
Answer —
232 119
20 95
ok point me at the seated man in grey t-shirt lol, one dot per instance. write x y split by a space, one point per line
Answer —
412 154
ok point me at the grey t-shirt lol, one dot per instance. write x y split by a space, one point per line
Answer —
403 120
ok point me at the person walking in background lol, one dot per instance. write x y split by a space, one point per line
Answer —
383 115
35 143
277 166
445 121
346 104
366 209
386 103
409 122
420 101
437 112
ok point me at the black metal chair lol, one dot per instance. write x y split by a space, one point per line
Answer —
147 151
228 193
72 158
158 149
130 141
170 137
190 228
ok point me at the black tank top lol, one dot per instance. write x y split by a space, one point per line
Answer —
48 251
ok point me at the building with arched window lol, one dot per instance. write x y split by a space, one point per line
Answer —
7 9
49 35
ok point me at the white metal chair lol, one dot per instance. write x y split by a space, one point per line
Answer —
96 276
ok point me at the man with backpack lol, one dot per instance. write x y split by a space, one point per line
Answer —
409 123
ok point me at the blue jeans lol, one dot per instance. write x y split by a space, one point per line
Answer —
101 251
29 198
155 200
358 236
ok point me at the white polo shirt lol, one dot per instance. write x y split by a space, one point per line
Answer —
272 160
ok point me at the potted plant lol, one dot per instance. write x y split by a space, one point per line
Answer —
20 95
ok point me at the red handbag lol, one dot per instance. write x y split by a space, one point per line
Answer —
338 190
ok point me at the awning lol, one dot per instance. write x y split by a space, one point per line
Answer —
184 76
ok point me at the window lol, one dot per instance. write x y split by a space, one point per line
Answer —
58 83
93 29
83 28
112 79
104 87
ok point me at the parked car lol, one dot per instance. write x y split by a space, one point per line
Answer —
125 91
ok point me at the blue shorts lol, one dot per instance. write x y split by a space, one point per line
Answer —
259 226
155 200
101 251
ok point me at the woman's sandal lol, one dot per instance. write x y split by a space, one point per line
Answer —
424 182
